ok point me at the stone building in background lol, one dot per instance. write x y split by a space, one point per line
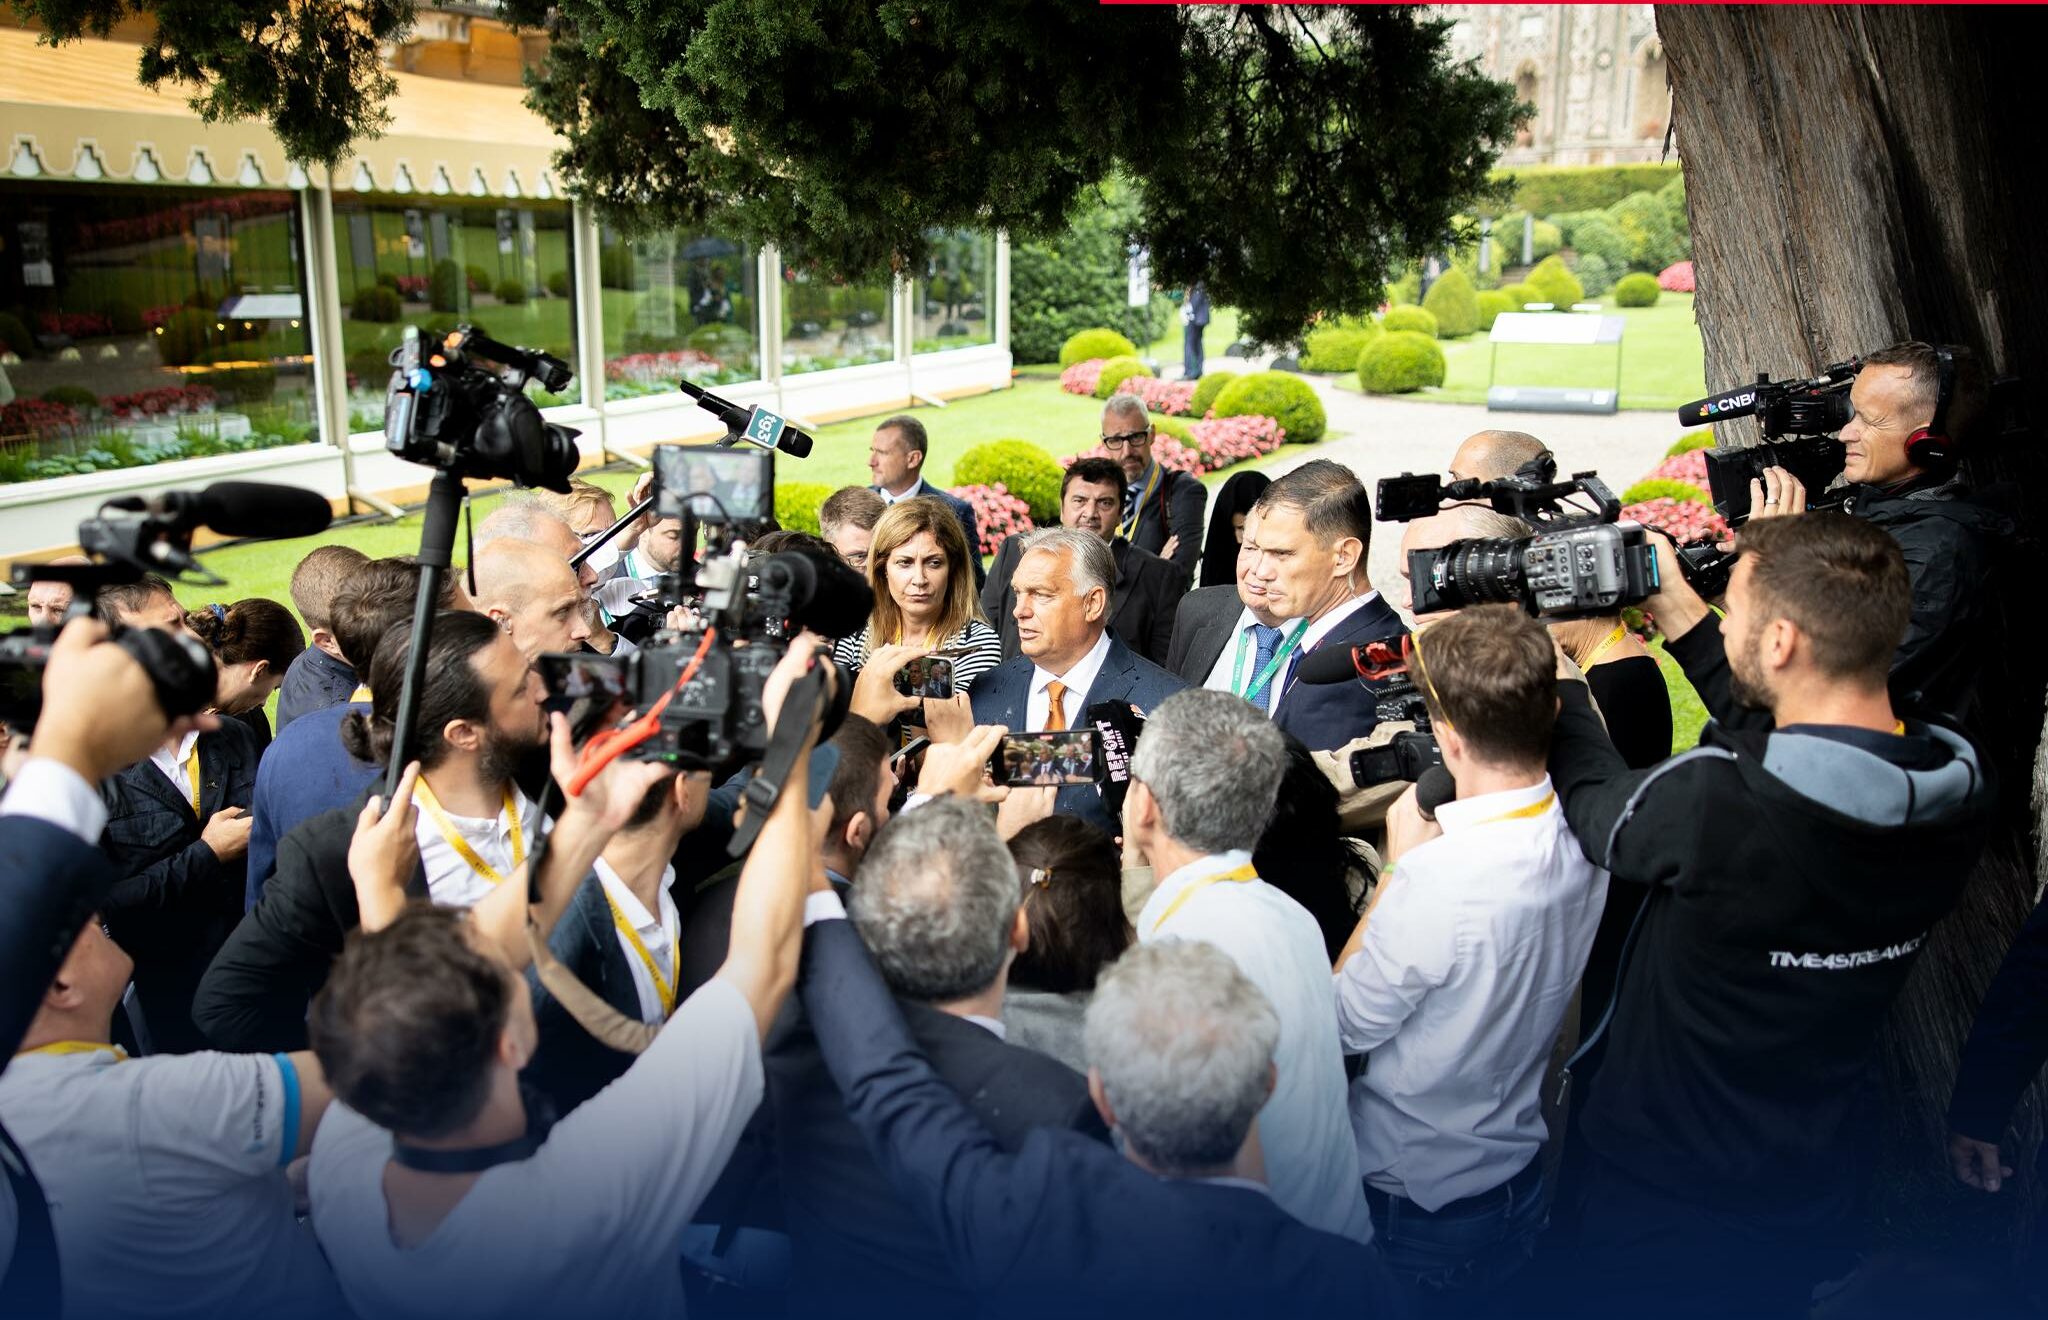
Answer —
1595 74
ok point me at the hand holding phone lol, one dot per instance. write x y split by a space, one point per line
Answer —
926 677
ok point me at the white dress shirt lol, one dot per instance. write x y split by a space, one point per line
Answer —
1469 962
916 488
173 763
659 931
451 880
1080 676
54 793
1225 669
1311 1157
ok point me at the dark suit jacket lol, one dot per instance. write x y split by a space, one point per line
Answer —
1174 508
1201 626
961 510
315 681
253 998
1141 604
1062 1225
304 772
173 901
1001 695
50 882
571 1065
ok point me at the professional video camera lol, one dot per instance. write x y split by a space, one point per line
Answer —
1383 668
132 536
1581 561
459 404
1798 418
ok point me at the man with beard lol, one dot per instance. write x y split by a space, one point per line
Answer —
1797 859
479 715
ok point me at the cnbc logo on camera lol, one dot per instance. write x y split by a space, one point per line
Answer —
1736 403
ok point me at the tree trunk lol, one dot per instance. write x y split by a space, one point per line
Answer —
1855 177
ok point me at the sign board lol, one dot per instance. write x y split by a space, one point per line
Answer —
1555 328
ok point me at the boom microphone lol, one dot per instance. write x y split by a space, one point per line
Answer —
755 425
237 508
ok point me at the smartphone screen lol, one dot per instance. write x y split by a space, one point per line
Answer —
586 688
1055 757
715 483
929 676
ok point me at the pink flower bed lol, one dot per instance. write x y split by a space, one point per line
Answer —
1171 397
158 402
77 325
1682 520
1676 278
413 287
1212 444
1082 377
1690 466
997 513
650 366
37 417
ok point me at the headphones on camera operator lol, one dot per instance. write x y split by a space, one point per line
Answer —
1930 446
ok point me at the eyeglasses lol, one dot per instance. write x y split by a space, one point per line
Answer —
1132 438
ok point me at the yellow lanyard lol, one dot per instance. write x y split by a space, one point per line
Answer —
663 989
423 794
1128 528
1607 644
362 693
1241 875
1522 813
192 771
79 1047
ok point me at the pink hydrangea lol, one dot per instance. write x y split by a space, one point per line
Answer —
1082 377
1170 397
997 513
1682 520
1676 278
1690 466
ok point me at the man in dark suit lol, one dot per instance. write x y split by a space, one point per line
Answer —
1301 585
1162 508
1069 660
1194 318
1056 1223
896 461
1147 589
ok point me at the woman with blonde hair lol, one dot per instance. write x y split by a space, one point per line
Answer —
925 602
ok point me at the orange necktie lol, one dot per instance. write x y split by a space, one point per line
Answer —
1056 708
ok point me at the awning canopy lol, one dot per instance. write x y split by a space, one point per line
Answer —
77 111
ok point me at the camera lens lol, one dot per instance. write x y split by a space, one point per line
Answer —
1479 572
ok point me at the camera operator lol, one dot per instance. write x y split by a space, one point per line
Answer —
1799 857
1484 916
1903 446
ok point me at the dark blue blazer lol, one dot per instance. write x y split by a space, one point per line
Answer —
571 1065
1000 697
961 510
1326 716
1064 1225
315 681
304 772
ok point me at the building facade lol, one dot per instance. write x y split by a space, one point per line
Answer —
1595 74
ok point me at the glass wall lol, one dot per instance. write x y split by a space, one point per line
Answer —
828 324
502 265
141 323
951 297
677 305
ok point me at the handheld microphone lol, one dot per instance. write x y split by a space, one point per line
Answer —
1120 725
236 508
755 425
1329 664
1433 789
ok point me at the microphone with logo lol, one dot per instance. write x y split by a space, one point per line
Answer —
755 425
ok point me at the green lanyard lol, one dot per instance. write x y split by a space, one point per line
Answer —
1265 675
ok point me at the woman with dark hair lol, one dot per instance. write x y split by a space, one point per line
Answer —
1226 528
1304 853
1072 876
254 642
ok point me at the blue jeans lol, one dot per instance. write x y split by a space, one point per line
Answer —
1191 351
1454 1261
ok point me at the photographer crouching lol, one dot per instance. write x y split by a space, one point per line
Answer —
1798 858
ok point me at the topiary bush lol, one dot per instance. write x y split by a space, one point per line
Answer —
1548 189
1287 399
1206 389
1597 236
477 278
1636 289
510 292
1400 361
1691 440
1663 488
558 283
1453 303
1079 279
1595 275
1025 470
1518 294
375 302
1115 372
14 336
186 334
1492 302
1555 284
1335 347
1179 429
1645 223
1095 343
446 286
1407 290
797 503
1416 320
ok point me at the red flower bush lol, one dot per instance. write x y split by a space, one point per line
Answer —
1681 520
78 325
1081 378
1688 467
413 287
997 514
649 366
1170 397
37 417
152 317
158 402
1676 278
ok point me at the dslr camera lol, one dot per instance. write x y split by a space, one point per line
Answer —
1799 420
458 403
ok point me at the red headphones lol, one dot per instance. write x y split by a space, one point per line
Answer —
1930 446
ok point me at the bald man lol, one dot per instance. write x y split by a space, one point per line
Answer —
1460 522
530 592
523 519
1491 455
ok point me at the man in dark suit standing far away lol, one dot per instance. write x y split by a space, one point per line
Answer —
896 461
1301 584
1070 659
1147 591
1162 508
1180 1047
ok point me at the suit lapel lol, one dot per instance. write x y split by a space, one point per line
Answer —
146 779
1370 622
1112 681
1215 636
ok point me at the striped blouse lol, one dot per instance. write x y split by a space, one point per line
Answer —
975 650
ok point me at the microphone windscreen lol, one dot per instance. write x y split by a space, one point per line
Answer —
795 443
1328 664
1435 788
260 509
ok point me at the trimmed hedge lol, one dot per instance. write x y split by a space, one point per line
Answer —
1400 361
1454 305
1206 389
1595 275
1597 236
1518 294
510 292
75 396
797 502
1335 347
1114 373
1555 284
1492 302
1024 469
446 287
558 286
1287 399
1645 222
1663 488
374 302
1636 289
14 336
1096 343
1547 190
1691 440
1410 319
1079 278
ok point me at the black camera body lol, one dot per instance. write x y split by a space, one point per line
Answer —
459 404
1397 700
1799 420
1815 459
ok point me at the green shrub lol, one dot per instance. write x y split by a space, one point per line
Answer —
1663 488
1334 347
443 325
1079 279
1407 290
1031 474
125 315
615 264
558 283
370 365
1547 190
1636 289
797 502
374 302
1410 318
1179 429
1115 372
1206 389
1691 440
1400 361
1492 302
1454 305
250 384
1555 284
1645 224
477 278
1672 195
1545 239
1596 275
1597 236
447 287
1285 398
186 334
510 292
389 279
14 336
75 396
1518 294
1094 343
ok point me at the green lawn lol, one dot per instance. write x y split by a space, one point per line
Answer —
1663 363
1688 714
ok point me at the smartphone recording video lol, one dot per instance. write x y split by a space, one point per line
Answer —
927 676
1054 757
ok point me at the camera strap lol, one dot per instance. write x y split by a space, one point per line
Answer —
765 789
